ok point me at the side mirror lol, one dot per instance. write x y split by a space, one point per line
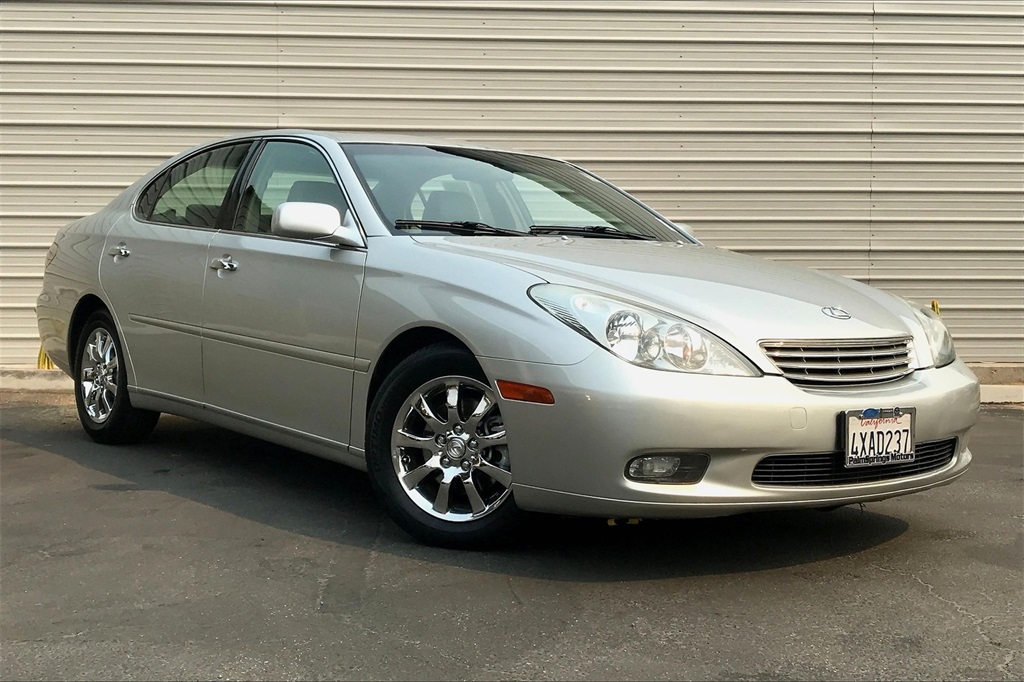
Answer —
322 222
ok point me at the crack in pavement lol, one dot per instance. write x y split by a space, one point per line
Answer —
976 621
1004 667
512 589
321 586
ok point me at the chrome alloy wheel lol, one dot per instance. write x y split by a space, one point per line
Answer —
449 450
99 368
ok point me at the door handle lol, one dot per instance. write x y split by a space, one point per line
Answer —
120 250
225 263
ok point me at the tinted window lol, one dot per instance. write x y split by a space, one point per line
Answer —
286 171
192 191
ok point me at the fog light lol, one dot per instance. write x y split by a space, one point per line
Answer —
668 468
659 466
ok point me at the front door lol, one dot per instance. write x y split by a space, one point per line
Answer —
280 314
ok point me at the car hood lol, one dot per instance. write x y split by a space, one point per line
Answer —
740 298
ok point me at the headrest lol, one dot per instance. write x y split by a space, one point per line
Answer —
450 206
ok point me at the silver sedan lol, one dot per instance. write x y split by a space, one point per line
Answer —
488 332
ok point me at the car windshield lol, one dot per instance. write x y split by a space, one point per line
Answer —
438 189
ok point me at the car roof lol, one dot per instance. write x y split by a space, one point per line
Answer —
344 137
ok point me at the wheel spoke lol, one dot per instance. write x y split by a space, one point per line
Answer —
413 478
475 501
92 350
404 439
98 342
108 347
497 473
108 403
441 501
434 423
94 397
112 388
451 401
481 409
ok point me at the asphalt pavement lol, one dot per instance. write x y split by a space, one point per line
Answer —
203 554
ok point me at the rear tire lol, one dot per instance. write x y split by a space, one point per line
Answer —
101 386
437 454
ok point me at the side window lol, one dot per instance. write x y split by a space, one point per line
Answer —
286 171
192 192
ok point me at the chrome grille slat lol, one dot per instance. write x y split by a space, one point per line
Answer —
845 353
834 343
847 379
840 362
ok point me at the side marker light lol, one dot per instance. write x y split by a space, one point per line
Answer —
511 390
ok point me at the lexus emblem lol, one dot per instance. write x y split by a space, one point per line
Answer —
836 313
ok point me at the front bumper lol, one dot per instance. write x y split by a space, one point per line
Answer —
570 457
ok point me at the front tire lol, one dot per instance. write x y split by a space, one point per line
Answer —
101 387
437 452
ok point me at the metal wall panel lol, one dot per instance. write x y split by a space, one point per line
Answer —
880 140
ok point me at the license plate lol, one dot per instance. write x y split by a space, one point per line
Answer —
879 436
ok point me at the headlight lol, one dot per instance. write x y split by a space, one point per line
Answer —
939 340
642 336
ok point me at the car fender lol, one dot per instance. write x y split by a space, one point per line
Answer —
483 304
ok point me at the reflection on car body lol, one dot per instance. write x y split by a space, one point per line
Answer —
487 332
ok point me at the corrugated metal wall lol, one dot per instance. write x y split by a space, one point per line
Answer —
881 140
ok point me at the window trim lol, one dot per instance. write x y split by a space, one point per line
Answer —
233 198
239 183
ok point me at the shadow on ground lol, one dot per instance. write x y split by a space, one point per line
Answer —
298 493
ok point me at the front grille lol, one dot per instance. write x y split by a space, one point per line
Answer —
833 363
828 468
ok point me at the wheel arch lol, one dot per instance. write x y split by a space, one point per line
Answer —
402 346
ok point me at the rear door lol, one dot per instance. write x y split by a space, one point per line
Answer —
279 316
154 265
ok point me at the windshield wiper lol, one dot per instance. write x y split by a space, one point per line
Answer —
457 226
606 231
475 227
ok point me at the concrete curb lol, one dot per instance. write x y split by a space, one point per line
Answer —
45 380
55 381
1002 394
998 373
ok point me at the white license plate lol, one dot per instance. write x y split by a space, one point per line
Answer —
876 436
